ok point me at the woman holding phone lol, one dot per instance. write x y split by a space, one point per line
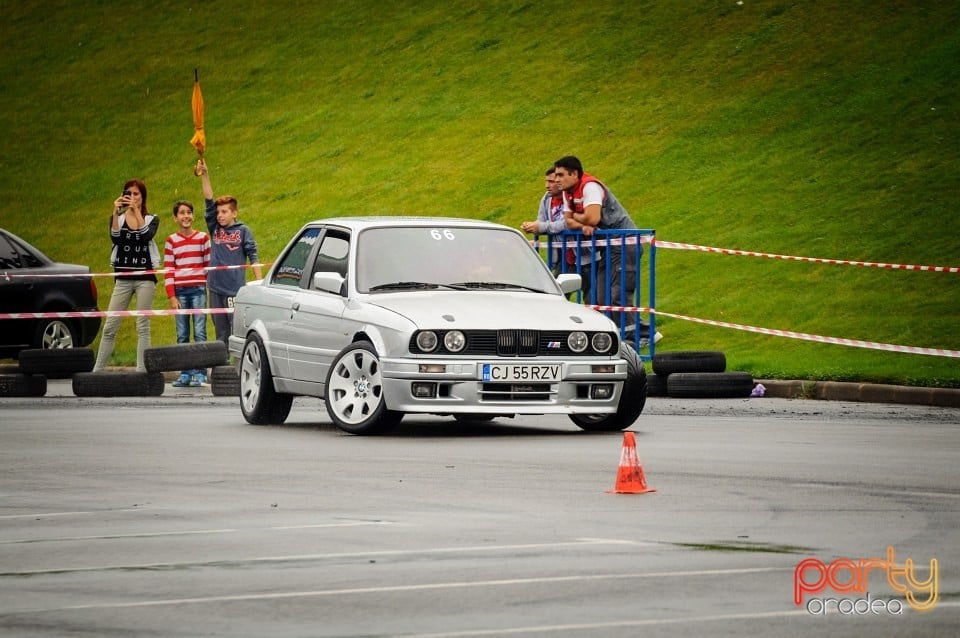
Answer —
132 229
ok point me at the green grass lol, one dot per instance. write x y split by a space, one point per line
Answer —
821 129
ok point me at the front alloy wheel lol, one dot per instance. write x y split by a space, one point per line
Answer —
354 392
632 399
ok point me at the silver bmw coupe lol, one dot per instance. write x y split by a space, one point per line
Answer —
386 316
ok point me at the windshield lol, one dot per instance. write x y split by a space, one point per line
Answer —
430 258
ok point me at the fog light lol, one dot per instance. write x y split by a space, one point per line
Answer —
432 368
422 390
601 391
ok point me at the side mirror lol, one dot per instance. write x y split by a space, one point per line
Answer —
328 282
570 282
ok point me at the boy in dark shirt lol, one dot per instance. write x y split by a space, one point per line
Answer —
232 244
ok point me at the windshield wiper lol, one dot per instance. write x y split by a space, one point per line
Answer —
413 285
403 285
493 285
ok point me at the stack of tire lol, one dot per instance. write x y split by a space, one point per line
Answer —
696 374
224 381
34 367
150 383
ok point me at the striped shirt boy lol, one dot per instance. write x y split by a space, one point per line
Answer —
187 256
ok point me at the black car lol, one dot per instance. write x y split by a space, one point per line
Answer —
26 286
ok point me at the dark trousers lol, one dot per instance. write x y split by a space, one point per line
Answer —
222 323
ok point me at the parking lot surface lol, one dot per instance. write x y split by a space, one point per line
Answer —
171 516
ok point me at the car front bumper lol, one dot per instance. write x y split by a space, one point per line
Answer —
585 386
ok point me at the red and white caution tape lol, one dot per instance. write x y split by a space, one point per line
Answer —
162 271
938 352
817 260
83 314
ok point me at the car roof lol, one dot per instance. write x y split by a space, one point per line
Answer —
387 221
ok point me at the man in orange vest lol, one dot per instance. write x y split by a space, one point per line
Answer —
589 205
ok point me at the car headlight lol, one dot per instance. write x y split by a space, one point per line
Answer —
454 341
601 342
427 341
577 341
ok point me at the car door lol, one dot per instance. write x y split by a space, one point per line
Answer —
280 297
316 327
17 294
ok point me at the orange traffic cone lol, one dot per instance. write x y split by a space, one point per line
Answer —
630 479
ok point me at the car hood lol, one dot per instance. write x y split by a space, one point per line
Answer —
54 268
477 309
68 268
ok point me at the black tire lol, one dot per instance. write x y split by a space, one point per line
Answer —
632 399
667 363
709 385
22 385
224 381
185 356
656 385
118 384
260 403
61 362
354 392
55 334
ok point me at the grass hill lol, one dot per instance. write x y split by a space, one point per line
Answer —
820 129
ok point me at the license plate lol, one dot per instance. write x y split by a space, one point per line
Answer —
512 372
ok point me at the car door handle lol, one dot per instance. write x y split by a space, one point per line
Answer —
296 306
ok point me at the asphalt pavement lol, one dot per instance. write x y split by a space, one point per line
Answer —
776 388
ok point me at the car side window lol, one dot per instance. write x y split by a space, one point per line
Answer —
334 253
290 271
9 259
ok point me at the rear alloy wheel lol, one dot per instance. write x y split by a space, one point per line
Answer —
354 392
54 333
259 402
632 399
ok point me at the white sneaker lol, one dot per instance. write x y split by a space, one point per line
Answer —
644 343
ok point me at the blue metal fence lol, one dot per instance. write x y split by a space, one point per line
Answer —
614 260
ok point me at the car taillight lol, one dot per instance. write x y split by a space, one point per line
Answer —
93 291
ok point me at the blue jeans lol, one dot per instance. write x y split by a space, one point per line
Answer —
192 298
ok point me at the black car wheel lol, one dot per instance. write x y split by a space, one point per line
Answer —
54 333
632 399
354 392
259 402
